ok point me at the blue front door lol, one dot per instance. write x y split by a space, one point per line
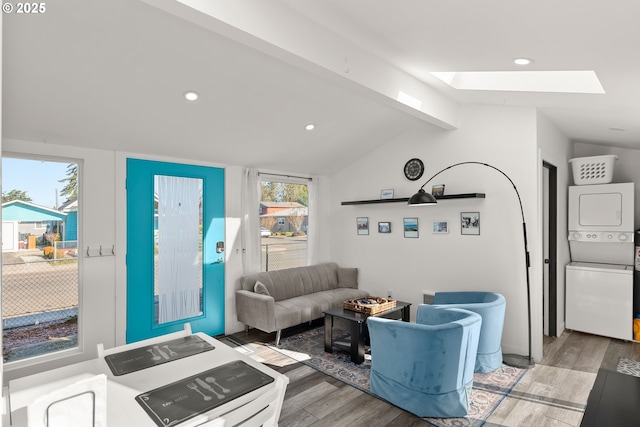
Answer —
175 248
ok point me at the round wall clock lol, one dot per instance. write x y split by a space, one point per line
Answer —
414 169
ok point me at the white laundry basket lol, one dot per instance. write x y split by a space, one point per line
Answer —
593 170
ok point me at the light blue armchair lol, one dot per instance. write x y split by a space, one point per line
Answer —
425 367
491 306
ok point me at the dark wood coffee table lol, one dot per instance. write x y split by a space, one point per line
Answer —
356 324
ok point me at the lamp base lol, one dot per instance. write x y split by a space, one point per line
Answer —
518 361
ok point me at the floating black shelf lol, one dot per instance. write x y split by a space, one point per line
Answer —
406 199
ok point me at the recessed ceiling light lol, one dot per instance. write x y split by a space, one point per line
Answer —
191 95
310 126
617 129
522 61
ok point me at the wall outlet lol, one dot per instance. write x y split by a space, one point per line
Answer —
389 293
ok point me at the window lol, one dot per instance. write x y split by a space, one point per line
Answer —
284 208
40 257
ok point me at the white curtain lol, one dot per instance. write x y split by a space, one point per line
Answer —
179 260
251 250
312 231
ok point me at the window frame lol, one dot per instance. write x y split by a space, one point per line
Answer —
44 359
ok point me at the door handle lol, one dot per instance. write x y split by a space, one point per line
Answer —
547 261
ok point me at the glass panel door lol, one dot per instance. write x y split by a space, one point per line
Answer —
175 245
178 236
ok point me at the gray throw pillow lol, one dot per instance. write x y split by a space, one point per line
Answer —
347 277
260 288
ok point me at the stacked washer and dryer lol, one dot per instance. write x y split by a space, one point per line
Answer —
599 279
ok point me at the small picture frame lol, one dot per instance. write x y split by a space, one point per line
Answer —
440 227
384 227
386 194
362 223
470 223
437 190
410 227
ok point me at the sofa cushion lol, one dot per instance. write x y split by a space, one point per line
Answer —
295 282
347 277
260 288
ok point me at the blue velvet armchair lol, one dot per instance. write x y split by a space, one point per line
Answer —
491 306
425 367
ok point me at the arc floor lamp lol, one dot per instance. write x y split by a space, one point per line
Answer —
422 198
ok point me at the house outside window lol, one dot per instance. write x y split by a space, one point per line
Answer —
284 212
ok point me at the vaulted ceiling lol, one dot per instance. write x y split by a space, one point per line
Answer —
112 74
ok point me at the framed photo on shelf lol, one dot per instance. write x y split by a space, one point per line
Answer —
384 227
386 194
440 227
410 227
437 190
362 223
470 223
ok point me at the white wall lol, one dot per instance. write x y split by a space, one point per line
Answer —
501 136
625 169
555 148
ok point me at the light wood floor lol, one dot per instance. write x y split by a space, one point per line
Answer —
554 393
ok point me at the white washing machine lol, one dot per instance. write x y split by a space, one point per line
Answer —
600 299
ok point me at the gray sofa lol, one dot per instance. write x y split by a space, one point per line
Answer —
275 300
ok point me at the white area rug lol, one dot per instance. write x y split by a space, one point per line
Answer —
629 367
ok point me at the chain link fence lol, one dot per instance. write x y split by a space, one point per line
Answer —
39 289
281 255
39 305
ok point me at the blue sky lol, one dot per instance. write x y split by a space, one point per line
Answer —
39 179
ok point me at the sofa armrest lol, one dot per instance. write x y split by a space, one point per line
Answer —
256 310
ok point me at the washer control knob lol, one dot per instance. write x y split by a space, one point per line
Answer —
624 237
576 236
610 236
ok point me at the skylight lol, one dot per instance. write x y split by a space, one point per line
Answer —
524 81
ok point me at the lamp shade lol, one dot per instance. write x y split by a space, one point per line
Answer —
422 198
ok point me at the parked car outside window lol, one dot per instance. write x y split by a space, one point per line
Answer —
264 232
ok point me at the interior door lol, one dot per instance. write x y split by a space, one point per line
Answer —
175 245
549 272
545 250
